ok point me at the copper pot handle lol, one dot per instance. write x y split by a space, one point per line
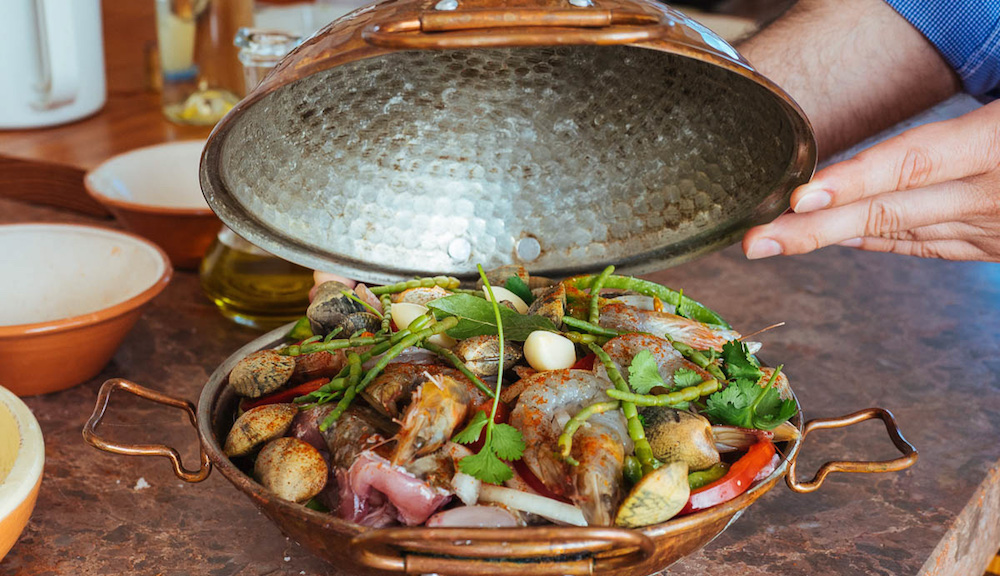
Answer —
501 551
104 396
515 27
909 457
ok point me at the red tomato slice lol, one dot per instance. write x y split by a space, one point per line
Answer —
534 482
585 363
284 396
737 481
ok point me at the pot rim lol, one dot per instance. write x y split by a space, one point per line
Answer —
214 388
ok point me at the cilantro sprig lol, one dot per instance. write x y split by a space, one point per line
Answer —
644 374
503 441
743 403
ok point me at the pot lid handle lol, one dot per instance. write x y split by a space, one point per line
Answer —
487 28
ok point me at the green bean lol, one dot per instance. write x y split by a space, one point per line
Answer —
581 338
330 346
643 451
566 438
683 395
699 359
447 282
458 364
354 374
588 327
694 310
413 338
386 301
332 387
705 477
595 293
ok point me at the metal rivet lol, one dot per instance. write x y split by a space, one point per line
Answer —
460 250
528 249
581 3
446 5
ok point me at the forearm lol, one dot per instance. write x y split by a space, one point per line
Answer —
854 66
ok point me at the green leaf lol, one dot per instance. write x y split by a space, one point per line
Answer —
684 377
517 286
507 442
772 410
643 373
731 405
486 466
477 318
738 362
472 432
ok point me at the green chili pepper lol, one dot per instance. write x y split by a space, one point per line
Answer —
588 327
301 330
705 477
565 442
633 469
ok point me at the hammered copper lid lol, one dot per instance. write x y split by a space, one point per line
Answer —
421 138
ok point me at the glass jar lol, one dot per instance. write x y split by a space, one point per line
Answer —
201 80
253 287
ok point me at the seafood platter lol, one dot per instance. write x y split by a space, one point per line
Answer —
494 398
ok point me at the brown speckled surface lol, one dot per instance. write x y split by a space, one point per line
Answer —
918 337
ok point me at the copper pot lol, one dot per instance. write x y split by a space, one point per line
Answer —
554 550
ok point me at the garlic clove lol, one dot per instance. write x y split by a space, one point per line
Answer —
505 295
549 351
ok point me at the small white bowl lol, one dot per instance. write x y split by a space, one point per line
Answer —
156 193
68 296
22 457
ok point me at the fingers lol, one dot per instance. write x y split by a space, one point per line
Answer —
884 215
947 249
926 155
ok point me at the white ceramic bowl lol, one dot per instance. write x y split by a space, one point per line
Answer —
68 296
22 457
156 193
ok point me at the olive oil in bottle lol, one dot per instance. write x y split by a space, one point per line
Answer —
253 287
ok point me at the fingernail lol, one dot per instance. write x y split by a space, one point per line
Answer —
763 248
812 201
852 243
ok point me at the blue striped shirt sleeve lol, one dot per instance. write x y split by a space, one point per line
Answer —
966 33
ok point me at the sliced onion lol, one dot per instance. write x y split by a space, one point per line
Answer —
554 510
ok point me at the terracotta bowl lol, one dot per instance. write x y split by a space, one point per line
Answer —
154 192
22 456
68 296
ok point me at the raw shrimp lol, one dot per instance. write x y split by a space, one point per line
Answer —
549 400
623 348
439 405
625 318
391 391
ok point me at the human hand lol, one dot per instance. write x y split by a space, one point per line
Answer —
933 191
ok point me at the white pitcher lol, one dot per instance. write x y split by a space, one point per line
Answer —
51 62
